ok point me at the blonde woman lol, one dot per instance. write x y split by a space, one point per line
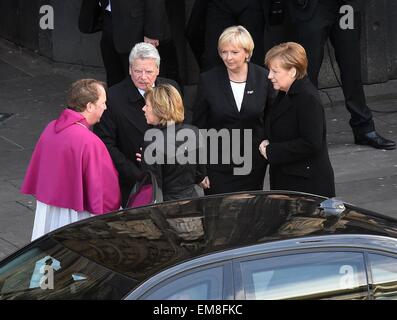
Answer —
234 96
165 111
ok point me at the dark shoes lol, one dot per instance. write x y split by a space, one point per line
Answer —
374 140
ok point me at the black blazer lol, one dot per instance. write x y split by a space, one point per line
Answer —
298 153
216 108
303 10
176 180
131 19
122 128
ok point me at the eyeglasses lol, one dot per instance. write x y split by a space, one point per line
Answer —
141 72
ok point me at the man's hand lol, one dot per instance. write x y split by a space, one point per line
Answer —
151 41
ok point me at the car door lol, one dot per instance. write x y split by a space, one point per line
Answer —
302 275
382 275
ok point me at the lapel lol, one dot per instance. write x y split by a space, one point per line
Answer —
284 102
133 112
281 105
249 91
227 90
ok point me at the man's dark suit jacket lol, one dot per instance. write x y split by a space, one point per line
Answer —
122 128
298 153
216 108
132 20
303 10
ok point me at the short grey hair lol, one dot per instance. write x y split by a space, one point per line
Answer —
143 50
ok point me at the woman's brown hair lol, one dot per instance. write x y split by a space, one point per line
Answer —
291 55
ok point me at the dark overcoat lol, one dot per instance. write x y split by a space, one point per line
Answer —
298 153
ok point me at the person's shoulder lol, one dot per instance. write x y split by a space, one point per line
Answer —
219 69
91 141
208 77
305 95
117 95
161 80
118 89
187 126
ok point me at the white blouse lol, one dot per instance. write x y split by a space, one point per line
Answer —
238 89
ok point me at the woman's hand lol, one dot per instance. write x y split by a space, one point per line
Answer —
138 156
262 148
205 184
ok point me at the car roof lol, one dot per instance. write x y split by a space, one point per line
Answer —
143 241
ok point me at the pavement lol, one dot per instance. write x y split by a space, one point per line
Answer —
33 92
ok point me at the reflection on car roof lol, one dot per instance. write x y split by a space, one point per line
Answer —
143 241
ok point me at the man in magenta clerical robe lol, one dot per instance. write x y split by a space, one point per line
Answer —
71 173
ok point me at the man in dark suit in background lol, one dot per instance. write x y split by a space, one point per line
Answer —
314 21
123 124
210 17
123 24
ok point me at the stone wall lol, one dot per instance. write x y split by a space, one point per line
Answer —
20 24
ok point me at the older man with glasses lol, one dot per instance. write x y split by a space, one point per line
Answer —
123 124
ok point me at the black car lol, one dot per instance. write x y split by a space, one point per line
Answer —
254 245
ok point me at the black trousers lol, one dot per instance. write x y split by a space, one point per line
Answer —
225 13
313 34
226 182
116 64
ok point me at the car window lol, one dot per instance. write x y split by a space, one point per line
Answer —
317 275
197 285
48 270
384 276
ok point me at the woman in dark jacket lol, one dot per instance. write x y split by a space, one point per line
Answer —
296 145
171 149
232 98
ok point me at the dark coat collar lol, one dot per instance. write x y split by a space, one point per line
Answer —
299 85
283 101
133 93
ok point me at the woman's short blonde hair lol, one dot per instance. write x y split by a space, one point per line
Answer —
166 103
291 55
238 36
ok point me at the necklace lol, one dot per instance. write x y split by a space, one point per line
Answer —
83 125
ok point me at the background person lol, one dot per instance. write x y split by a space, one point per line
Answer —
316 21
210 17
71 173
164 109
125 23
296 145
234 95
123 124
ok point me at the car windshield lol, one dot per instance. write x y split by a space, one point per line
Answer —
47 270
